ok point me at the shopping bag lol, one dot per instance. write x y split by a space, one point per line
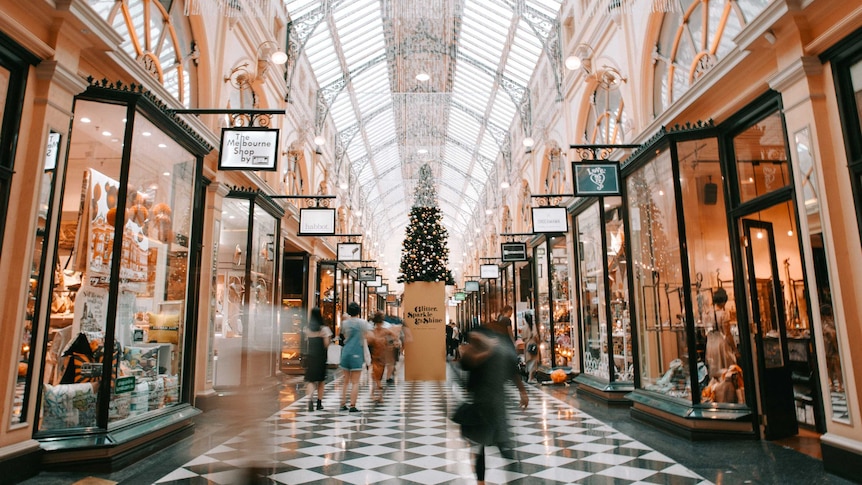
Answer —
474 425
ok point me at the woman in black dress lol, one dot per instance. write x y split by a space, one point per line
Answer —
318 336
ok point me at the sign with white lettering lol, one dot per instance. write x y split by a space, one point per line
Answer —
513 251
550 220
489 271
316 221
594 179
52 151
248 149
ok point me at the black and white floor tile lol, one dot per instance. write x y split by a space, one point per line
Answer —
410 439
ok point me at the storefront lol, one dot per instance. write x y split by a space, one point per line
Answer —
119 328
294 281
723 329
553 297
601 281
247 338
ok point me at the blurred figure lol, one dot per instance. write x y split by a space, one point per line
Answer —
490 357
504 322
381 343
352 355
531 337
318 337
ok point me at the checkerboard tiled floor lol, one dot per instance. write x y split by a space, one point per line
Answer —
410 439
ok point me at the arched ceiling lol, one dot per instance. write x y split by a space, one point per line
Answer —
479 55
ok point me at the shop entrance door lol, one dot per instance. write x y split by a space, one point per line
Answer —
769 332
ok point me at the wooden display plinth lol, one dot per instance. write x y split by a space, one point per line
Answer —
425 324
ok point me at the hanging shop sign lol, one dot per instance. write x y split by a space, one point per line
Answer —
471 286
550 220
366 273
349 251
248 148
460 296
52 151
513 251
382 289
316 221
595 179
376 282
489 271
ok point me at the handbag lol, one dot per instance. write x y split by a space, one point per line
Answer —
532 348
474 424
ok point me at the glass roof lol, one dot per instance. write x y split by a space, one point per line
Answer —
366 54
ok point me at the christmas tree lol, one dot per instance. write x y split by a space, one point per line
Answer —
425 256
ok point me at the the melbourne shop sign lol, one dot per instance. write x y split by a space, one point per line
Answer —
248 148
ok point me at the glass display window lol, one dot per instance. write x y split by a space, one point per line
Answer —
247 341
602 277
761 159
118 322
657 273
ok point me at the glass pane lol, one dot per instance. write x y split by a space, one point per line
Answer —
231 317
34 288
856 80
716 331
75 354
263 335
761 158
151 309
591 290
655 263
564 336
618 290
831 337
4 89
543 303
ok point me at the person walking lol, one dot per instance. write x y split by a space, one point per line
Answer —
532 338
381 344
491 360
352 355
318 337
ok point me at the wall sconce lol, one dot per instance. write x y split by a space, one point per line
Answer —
581 58
269 51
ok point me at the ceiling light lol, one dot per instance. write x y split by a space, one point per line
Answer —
162 145
343 186
147 133
528 142
489 211
85 120
504 185
106 133
422 151
423 76
319 140
166 174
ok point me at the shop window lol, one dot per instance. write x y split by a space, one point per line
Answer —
710 270
761 158
694 37
154 34
657 273
592 289
247 337
124 244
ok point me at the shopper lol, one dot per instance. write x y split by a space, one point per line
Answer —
490 358
381 343
352 355
532 339
318 337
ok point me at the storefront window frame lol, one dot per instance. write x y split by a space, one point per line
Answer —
17 61
139 103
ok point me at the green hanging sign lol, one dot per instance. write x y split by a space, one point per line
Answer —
596 179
